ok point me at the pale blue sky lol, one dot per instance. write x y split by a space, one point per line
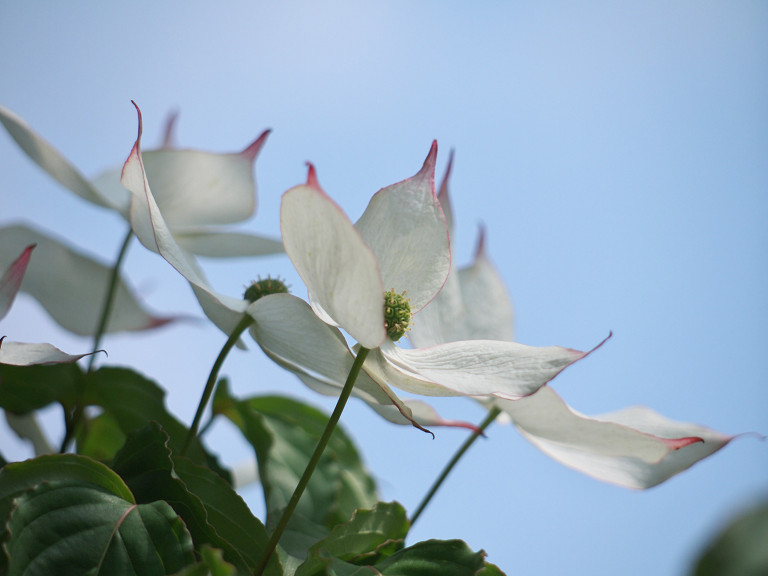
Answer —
615 151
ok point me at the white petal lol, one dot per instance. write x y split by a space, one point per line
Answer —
488 310
289 332
422 413
49 159
443 319
339 270
635 448
227 244
24 354
11 279
71 286
444 196
150 227
195 188
471 368
109 186
405 227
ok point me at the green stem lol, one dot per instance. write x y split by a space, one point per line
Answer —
245 321
313 461
492 415
109 299
72 420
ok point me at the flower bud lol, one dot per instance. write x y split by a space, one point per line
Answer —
263 287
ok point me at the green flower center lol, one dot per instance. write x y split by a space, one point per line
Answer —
263 287
397 314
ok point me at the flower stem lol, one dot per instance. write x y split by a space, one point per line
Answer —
245 321
109 299
313 461
72 421
492 415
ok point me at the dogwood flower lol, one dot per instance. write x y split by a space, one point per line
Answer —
400 244
635 447
282 322
23 353
71 286
185 184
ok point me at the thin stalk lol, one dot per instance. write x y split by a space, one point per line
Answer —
109 299
313 461
72 421
492 415
245 321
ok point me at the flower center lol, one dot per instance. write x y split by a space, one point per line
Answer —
397 314
263 287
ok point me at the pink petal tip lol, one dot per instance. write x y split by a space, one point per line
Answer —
677 443
480 247
253 149
443 193
169 130
312 181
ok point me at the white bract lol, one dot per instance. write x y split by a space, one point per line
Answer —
283 324
23 353
72 286
400 244
197 191
635 447
186 183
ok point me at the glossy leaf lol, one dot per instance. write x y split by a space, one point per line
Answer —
26 388
132 401
18 477
284 433
64 528
368 537
438 558
213 512
430 558
211 563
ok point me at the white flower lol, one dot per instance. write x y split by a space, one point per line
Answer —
283 324
185 183
634 447
22 353
401 244
71 286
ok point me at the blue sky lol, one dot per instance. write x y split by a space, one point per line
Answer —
615 152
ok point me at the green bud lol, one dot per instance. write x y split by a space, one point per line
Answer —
397 314
263 287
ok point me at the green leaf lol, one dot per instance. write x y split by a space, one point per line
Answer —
27 388
299 536
368 537
214 513
284 434
19 477
100 438
740 549
130 401
212 564
63 528
430 558
438 558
